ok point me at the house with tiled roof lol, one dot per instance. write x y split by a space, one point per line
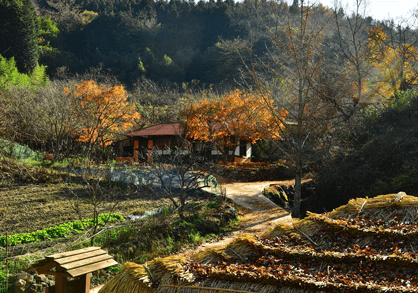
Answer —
161 138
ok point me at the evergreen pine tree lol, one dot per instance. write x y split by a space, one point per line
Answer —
19 33
295 6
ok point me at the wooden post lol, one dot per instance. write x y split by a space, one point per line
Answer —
85 283
150 146
136 150
60 284
7 260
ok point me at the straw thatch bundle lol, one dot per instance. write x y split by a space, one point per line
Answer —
210 255
132 278
216 286
368 245
281 229
379 206
141 278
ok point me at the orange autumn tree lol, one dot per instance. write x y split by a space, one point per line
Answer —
228 121
103 112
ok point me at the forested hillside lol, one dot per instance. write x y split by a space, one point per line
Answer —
172 41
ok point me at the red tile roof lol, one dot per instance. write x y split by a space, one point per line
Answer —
160 129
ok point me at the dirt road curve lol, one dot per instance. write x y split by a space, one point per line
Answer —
260 214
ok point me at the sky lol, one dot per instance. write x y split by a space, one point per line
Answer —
383 9
378 9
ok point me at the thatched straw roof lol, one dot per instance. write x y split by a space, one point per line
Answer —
368 245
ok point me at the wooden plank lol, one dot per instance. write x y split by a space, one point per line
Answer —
45 268
56 274
71 253
86 261
86 255
91 268
41 262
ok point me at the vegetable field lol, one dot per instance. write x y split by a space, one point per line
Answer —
29 208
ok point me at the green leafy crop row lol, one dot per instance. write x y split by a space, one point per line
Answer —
62 230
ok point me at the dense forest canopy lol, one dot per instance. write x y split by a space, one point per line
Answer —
167 41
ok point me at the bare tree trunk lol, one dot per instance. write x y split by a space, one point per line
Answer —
298 194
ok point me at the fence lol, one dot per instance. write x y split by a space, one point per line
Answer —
10 265
4 268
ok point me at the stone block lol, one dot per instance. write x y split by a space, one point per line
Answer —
21 275
29 279
41 278
20 283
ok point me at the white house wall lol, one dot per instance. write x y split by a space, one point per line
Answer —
237 151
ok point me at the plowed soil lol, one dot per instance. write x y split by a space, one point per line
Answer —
36 206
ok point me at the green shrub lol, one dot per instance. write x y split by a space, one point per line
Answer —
212 204
3 277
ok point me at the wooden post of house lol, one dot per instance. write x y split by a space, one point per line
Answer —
136 150
150 146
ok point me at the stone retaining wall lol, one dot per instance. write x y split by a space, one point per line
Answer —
246 174
31 282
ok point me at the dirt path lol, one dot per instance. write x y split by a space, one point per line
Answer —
259 214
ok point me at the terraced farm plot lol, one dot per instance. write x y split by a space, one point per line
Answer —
368 245
29 208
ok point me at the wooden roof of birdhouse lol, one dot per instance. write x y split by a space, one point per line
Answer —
75 263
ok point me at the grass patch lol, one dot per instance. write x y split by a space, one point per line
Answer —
165 233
